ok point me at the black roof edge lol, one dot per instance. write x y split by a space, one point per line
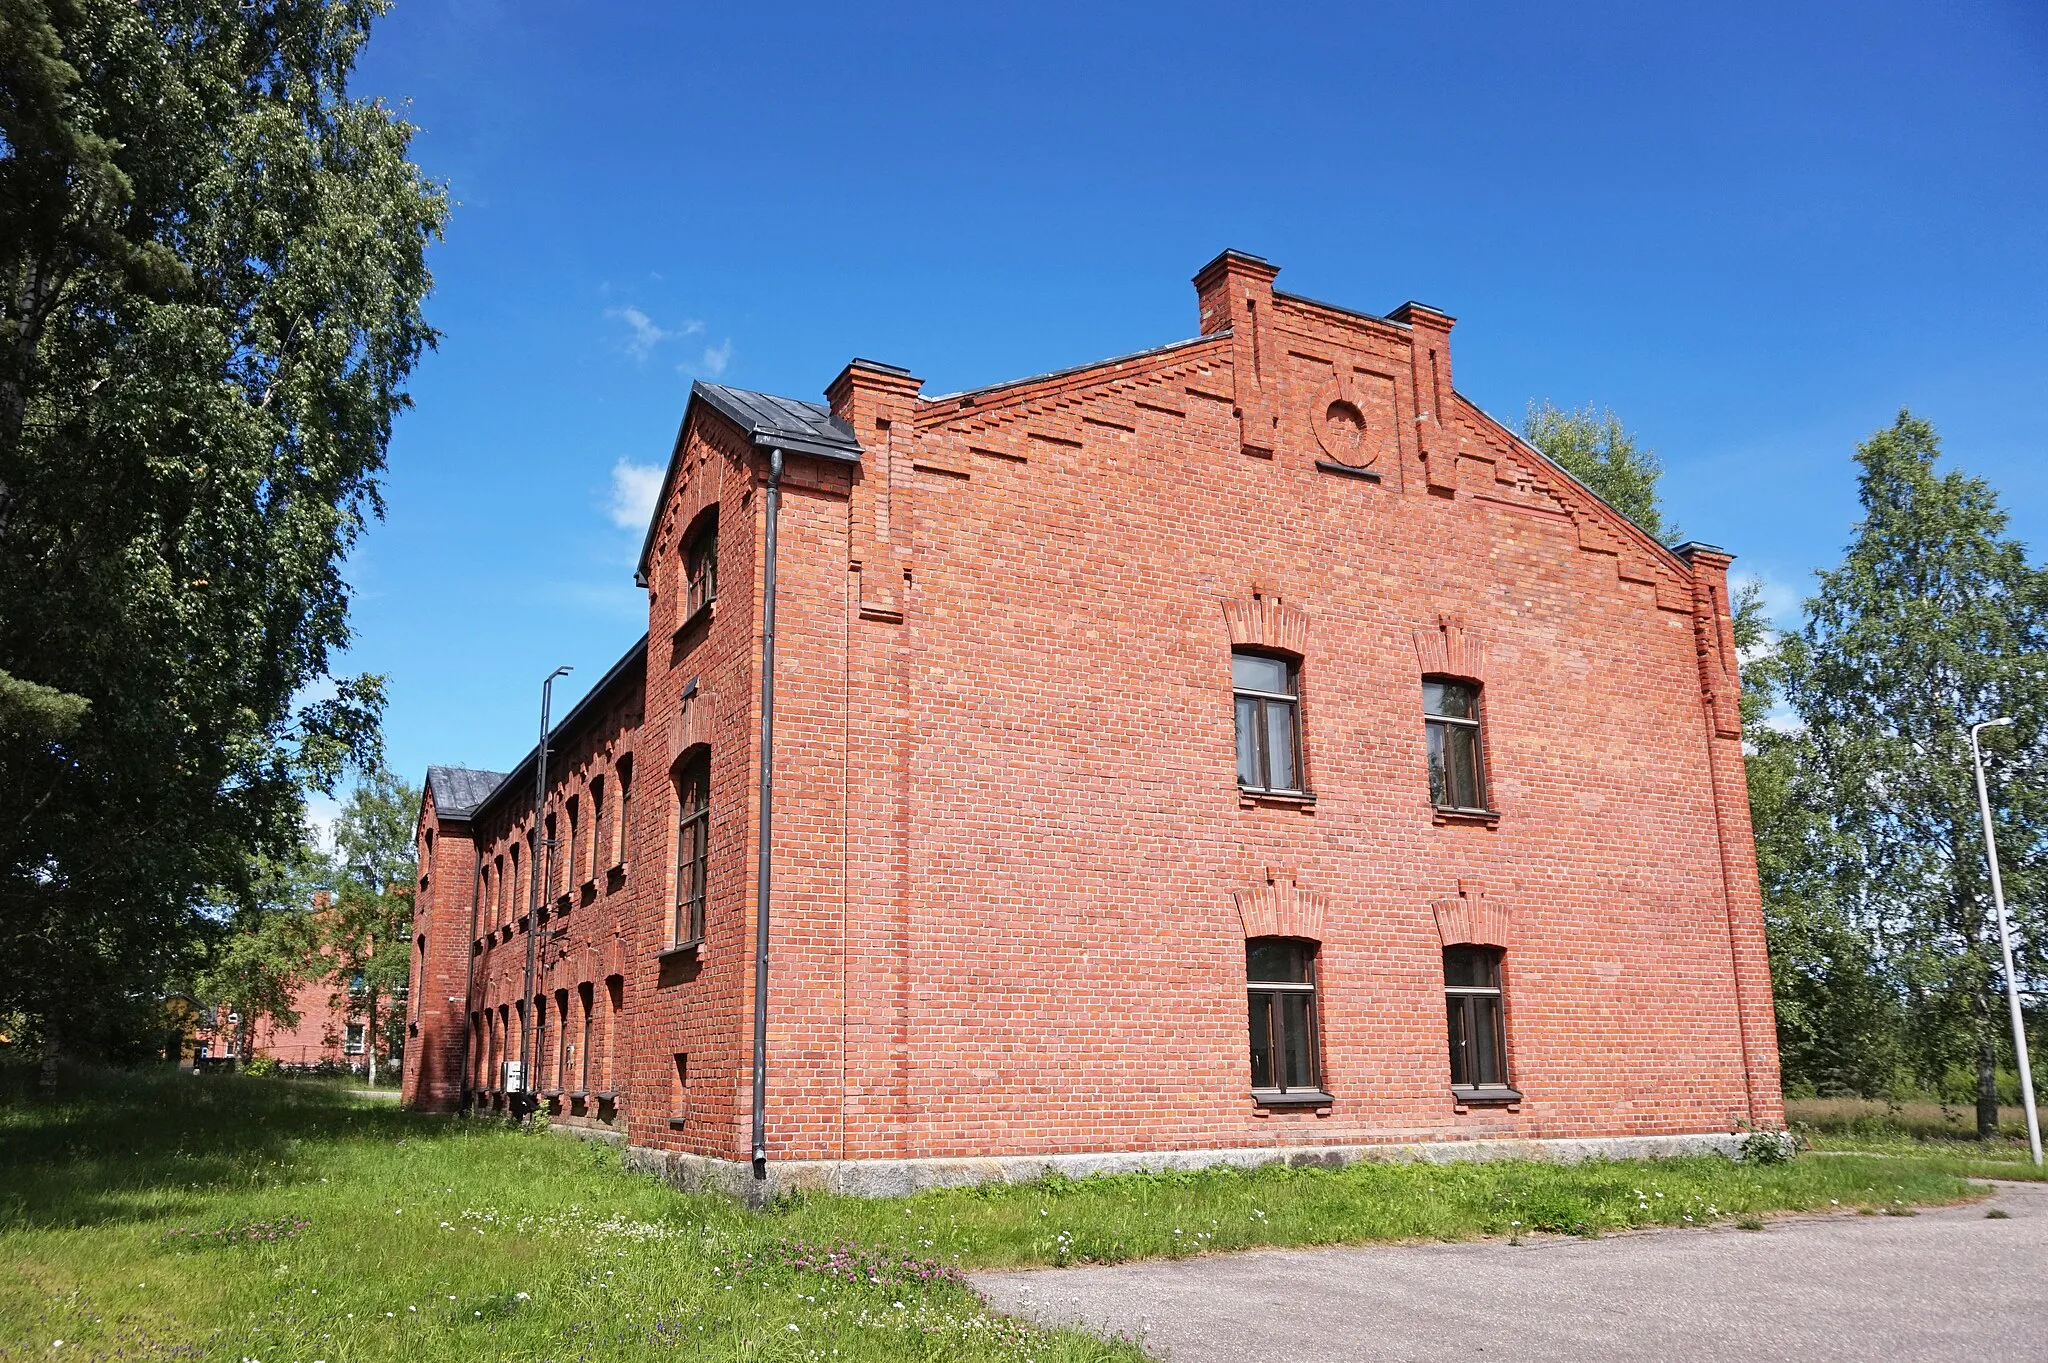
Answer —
866 363
524 768
1333 307
1572 478
1073 369
1691 547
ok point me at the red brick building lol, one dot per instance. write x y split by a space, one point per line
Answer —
1240 748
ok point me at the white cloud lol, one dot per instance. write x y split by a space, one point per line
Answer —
1781 601
634 489
644 334
716 358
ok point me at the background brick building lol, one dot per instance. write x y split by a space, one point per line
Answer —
1027 859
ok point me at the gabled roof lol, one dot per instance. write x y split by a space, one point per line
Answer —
771 421
768 422
459 790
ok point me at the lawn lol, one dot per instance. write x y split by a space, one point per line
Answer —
160 1216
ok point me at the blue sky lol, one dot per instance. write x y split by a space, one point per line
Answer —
1753 231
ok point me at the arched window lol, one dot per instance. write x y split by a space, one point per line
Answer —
1280 979
693 839
700 568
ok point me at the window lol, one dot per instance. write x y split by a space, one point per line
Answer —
515 889
700 570
1280 976
354 1043
572 860
587 999
1472 999
693 837
565 1046
625 811
1268 723
679 1091
1451 714
597 862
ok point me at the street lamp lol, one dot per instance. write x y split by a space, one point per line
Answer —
540 863
2012 987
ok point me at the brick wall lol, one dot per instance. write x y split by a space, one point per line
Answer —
1014 872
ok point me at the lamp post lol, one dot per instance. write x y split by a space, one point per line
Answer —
2012 986
540 864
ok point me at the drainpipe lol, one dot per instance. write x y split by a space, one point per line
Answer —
543 847
476 877
765 867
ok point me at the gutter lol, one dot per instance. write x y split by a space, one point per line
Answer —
764 870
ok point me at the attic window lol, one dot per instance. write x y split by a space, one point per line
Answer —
700 569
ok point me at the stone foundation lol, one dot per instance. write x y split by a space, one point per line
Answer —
900 1178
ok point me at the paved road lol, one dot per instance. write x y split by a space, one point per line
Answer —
1948 1284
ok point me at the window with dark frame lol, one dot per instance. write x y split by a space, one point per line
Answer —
625 811
565 1058
572 860
700 570
1266 689
585 996
1457 778
1478 1032
693 838
1280 981
596 826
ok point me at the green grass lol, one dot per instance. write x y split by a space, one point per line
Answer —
158 1216
1937 1135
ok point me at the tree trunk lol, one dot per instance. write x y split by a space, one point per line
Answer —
370 1048
1987 1084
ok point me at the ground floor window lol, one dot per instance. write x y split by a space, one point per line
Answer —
1280 982
1478 1033
353 1045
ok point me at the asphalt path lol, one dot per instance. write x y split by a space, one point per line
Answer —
1947 1283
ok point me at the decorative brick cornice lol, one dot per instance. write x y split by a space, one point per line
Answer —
1451 650
1469 918
1265 621
1280 908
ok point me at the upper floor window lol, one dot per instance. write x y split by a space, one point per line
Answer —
1478 1033
693 841
625 829
1280 979
700 570
1268 722
1450 712
597 862
572 859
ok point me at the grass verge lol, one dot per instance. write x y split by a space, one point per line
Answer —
160 1216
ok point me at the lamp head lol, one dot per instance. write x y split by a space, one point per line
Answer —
1996 723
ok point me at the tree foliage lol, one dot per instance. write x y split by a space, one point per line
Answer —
1867 829
266 944
212 260
1594 447
368 932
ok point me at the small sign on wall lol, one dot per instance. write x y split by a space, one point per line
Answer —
515 1076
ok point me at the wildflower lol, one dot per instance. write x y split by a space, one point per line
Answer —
792 1327
523 1297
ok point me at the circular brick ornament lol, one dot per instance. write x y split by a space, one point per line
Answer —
1339 423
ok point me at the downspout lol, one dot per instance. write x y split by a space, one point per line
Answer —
476 877
764 869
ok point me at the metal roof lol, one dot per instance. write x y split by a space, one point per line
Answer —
459 790
785 423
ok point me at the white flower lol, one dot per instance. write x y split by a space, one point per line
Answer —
523 1297
792 1327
